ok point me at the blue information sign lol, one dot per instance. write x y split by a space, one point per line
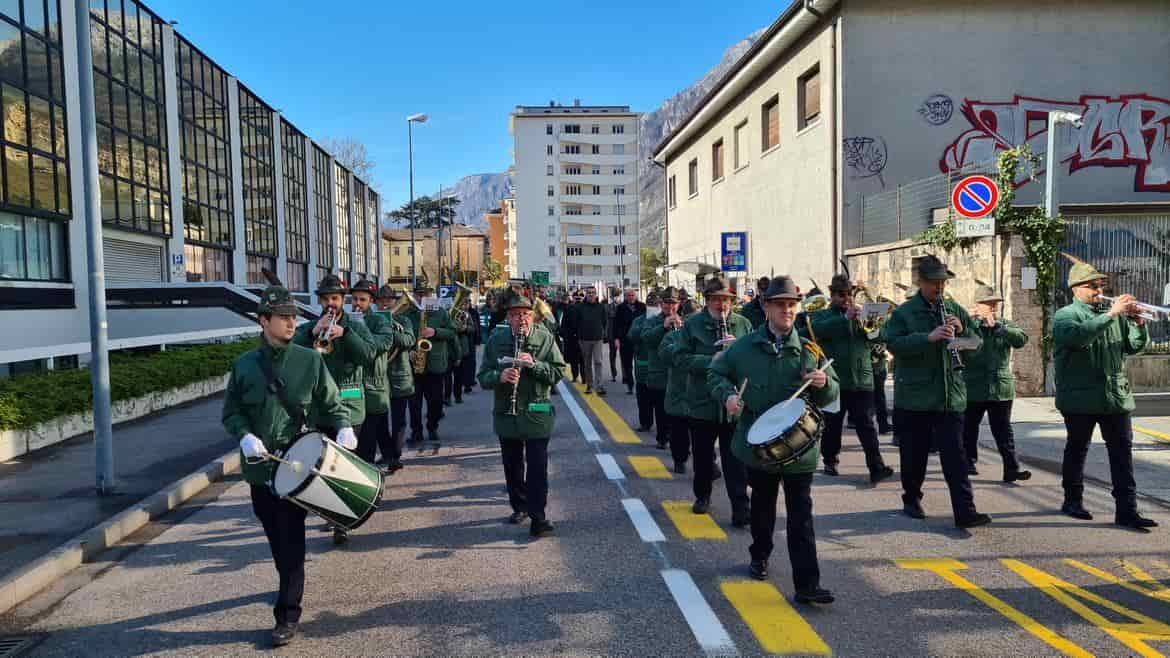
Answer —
734 250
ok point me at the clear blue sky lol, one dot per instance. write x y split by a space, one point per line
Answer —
357 69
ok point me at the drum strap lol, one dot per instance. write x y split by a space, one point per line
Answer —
276 387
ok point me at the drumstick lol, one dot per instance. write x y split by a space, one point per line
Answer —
809 382
296 466
739 393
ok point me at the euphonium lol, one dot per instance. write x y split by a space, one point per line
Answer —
418 360
460 317
323 343
405 303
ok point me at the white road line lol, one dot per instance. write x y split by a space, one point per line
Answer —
587 428
611 468
709 633
644 523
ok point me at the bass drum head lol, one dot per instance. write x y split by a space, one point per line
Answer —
775 421
307 450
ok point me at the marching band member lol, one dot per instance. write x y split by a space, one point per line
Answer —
930 393
428 385
675 310
701 339
754 310
774 361
522 415
252 412
400 379
839 333
389 337
1091 340
633 338
991 386
658 370
353 352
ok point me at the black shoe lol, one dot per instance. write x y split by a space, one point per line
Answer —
393 466
1135 522
283 634
973 520
467 389
643 428
758 569
716 472
517 518
701 506
660 445
629 391
815 595
680 468
1076 510
600 391
885 429
971 470
1018 476
446 403
541 529
914 510
340 536
831 469
741 519
459 400
588 390
880 474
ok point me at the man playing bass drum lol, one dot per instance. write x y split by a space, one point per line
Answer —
775 363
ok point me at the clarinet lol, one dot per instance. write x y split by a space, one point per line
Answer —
518 338
722 331
956 359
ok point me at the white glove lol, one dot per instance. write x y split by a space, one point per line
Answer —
347 438
253 447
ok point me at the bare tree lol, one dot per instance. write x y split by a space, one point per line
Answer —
351 154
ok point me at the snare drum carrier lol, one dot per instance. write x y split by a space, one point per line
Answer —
788 430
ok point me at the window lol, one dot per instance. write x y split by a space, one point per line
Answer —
619 209
619 149
551 191
552 231
671 198
397 270
597 189
552 251
693 177
397 252
571 128
131 117
358 225
619 189
596 210
259 197
573 149
341 215
548 129
323 208
739 146
572 189
596 171
619 230
296 218
717 160
549 149
619 171
619 250
808 94
597 251
596 150
552 210
770 123
573 210
33 248
572 251
548 170
373 232
595 129
574 170
207 176
206 263
618 129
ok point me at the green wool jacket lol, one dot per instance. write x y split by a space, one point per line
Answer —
773 376
657 366
641 351
844 342
693 352
754 312
385 379
248 407
923 377
442 343
989 373
353 353
1090 349
535 413
676 379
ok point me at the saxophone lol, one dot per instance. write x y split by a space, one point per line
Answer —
418 360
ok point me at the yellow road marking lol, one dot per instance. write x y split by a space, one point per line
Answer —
649 467
1131 634
1161 436
613 423
946 568
691 525
778 627
1150 587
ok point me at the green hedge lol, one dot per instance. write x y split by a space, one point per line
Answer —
28 400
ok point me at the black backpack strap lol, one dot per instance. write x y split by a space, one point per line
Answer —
276 387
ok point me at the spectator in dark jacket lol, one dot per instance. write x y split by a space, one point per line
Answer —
623 318
568 331
592 323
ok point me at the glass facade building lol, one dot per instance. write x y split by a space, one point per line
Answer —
258 181
296 207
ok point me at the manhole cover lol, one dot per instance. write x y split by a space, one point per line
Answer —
16 645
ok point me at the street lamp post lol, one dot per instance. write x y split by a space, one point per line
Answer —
414 118
1055 120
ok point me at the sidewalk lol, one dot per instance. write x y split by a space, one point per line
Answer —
48 497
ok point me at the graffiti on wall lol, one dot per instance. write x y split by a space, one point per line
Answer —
1125 131
865 157
937 109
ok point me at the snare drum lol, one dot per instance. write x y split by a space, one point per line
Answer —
786 432
334 483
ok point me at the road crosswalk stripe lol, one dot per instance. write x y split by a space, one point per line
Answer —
691 525
618 430
610 466
649 467
777 626
645 524
709 633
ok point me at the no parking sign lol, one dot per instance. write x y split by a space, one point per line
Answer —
975 198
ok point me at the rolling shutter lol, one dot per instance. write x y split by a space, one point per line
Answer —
132 262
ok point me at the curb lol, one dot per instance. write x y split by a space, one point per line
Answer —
24 583
1055 468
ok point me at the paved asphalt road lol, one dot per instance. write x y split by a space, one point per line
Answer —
437 572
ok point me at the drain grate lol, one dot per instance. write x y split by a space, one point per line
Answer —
15 645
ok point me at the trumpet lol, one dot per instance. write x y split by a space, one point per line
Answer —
1148 312
323 342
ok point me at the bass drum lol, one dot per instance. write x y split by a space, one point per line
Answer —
786 432
334 483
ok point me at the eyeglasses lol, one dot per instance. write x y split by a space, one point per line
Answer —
1093 286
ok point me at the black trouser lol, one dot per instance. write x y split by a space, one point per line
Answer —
613 360
284 525
428 385
467 369
914 441
398 408
645 405
375 435
704 434
626 352
449 384
680 436
1117 431
880 405
658 410
802 541
999 416
526 472
858 404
